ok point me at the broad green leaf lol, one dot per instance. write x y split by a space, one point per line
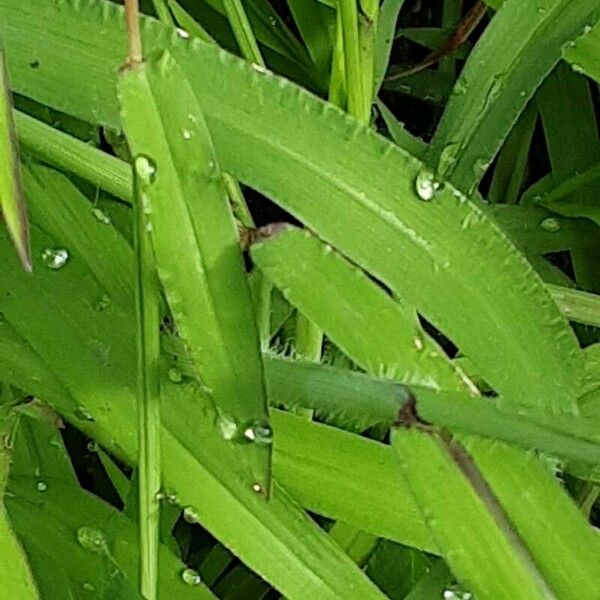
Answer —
446 244
12 201
357 315
517 50
584 52
475 537
197 252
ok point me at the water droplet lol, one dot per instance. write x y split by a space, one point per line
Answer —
92 539
426 185
83 414
228 427
259 432
102 303
160 496
145 169
41 486
187 134
190 514
550 224
257 488
191 577
101 216
92 446
182 33
418 342
456 593
55 258
175 375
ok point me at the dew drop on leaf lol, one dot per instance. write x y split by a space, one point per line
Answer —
191 577
228 427
550 224
426 185
145 169
456 593
187 134
55 258
92 539
190 515
182 33
41 486
259 432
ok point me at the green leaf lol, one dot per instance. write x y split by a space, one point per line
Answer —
473 534
517 50
203 273
50 519
446 243
584 52
92 354
17 578
386 31
12 200
563 553
358 316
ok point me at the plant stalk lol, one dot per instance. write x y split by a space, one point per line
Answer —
134 37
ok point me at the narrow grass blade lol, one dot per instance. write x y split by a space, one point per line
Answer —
12 199
576 305
17 579
565 553
243 31
70 154
148 400
471 529
518 49
584 52
370 326
386 31
202 273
